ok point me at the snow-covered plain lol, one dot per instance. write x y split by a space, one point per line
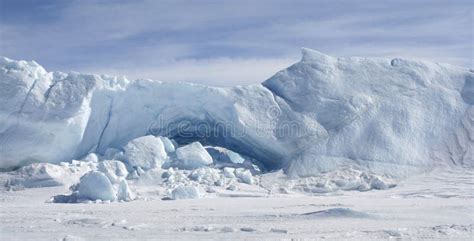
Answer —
329 148
438 205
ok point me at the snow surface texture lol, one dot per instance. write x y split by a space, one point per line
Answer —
391 116
432 206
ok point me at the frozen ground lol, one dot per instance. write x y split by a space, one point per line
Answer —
438 205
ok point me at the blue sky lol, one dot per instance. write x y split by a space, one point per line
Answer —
227 43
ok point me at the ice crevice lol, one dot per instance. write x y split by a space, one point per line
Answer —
47 93
107 121
22 106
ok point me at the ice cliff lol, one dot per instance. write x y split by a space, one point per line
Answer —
391 116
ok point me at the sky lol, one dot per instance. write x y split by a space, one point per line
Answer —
227 43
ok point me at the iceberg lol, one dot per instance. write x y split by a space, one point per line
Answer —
392 116
192 156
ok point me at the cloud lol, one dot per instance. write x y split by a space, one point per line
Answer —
215 72
149 38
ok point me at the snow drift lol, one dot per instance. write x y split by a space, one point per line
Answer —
391 116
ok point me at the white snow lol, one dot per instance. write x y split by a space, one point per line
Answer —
192 156
434 206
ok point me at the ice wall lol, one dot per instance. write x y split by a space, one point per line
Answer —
319 114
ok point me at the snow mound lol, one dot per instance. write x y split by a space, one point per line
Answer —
48 175
185 192
95 185
192 156
100 186
346 179
343 179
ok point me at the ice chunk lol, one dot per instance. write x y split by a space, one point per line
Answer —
206 175
123 191
235 158
176 177
146 152
244 175
91 157
168 144
185 192
229 172
223 155
379 183
192 156
347 179
223 158
95 185
114 170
